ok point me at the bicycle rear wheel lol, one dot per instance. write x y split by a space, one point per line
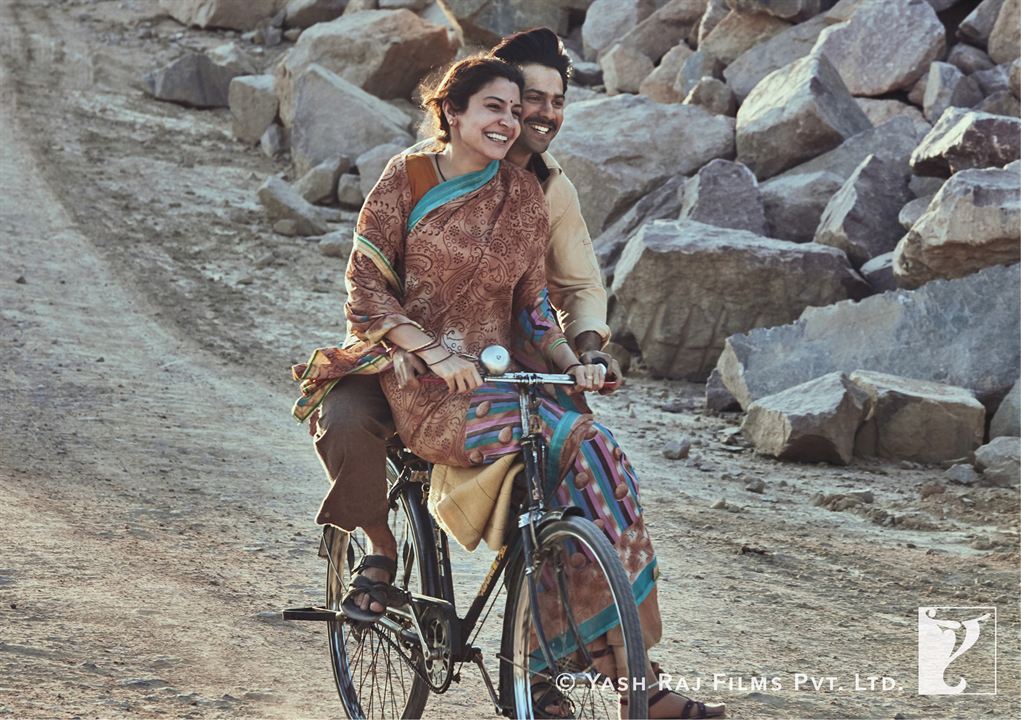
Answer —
377 667
567 547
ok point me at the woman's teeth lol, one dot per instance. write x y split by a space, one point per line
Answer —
497 137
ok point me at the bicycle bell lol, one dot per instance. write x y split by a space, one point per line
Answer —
495 359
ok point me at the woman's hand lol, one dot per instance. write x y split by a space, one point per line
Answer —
614 377
588 377
459 374
408 367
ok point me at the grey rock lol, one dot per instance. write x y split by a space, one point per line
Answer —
1007 419
304 14
659 85
677 449
925 186
948 87
878 273
665 28
968 59
880 111
230 14
334 117
683 287
913 210
781 50
917 420
664 201
253 106
715 11
793 10
714 96
958 332
1004 43
274 141
966 139
383 52
1000 462
605 147
812 422
794 114
978 25
1000 103
737 32
961 474
995 79
1014 78
349 192
371 164
624 69
282 202
698 65
756 486
884 46
199 80
717 397
484 22
587 73
861 217
725 194
607 21
794 205
917 92
336 244
319 185
971 223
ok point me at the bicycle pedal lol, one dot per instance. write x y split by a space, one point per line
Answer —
312 613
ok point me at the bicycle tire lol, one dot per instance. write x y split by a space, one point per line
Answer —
516 675
394 690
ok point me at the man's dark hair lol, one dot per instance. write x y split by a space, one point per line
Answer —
539 46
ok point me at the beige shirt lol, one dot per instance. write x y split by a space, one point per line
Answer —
572 272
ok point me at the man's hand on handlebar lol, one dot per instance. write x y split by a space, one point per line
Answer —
614 376
587 377
408 367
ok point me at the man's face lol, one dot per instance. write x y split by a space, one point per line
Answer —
542 107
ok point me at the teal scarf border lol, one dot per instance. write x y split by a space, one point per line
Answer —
451 190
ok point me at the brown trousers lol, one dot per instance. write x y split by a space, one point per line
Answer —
352 431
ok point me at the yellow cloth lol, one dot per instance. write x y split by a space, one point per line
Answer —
474 503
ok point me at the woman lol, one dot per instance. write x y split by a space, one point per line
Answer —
448 259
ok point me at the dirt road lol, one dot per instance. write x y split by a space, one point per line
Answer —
157 498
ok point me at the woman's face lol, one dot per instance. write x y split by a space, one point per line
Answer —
491 122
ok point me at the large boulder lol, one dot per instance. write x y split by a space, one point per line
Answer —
283 202
738 32
966 139
253 106
484 22
384 52
663 29
683 287
714 96
371 164
607 21
794 204
972 223
862 217
792 10
715 11
978 25
230 14
198 79
968 59
880 111
1007 420
304 14
793 114
947 87
884 46
961 332
624 69
917 420
878 273
778 51
605 147
696 66
659 84
812 422
1005 38
725 194
334 117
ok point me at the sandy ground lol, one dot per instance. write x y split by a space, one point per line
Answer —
157 498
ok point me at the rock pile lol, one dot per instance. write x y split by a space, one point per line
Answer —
752 172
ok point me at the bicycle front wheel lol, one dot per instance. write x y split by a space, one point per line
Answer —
576 564
378 668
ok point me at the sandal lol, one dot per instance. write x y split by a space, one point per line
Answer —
693 709
378 591
545 694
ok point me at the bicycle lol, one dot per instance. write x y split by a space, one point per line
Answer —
389 668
